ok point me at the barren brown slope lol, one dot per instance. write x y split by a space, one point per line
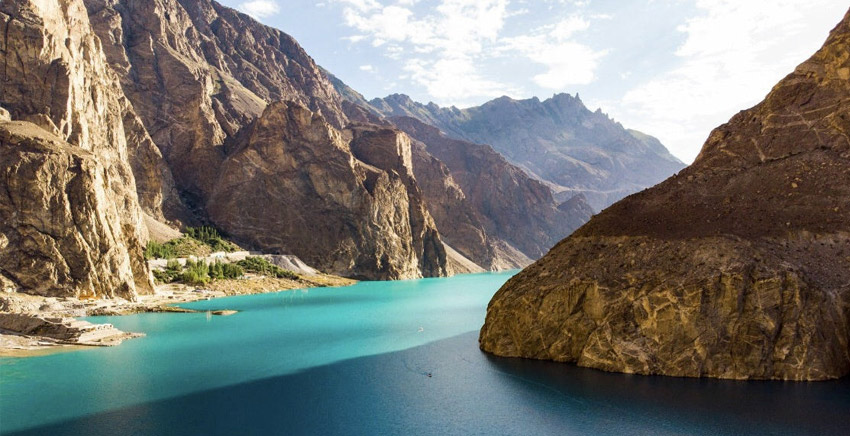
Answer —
738 267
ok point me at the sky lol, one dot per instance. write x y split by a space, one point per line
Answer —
674 69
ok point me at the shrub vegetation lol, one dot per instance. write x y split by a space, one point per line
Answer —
211 237
199 241
259 265
171 273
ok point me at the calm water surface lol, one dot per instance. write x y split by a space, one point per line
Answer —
357 360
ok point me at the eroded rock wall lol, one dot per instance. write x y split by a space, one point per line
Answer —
320 202
71 173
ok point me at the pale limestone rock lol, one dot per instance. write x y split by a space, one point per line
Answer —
61 227
64 330
72 215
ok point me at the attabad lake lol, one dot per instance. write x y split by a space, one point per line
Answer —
376 358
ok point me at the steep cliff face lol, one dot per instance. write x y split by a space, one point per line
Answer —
558 141
197 72
738 267
61 231
356 216
391 151
72 224
518 215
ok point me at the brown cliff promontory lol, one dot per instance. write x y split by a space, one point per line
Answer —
738 267
343 201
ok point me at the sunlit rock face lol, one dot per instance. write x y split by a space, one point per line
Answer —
70 219
343 201
738 267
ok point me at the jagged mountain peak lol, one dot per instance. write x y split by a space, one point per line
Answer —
557 140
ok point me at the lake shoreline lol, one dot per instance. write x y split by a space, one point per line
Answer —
36 326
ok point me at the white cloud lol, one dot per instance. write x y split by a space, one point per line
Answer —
354 38
454 81
439 50
367 68
734 52
362 5
260 8
444 49
567 62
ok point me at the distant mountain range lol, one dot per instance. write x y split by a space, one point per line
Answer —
557 141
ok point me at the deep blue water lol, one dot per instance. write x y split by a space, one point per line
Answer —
356 360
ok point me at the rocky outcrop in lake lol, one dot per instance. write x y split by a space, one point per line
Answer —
738 267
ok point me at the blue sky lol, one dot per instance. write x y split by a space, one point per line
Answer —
672 68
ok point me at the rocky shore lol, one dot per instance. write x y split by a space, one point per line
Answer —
35 325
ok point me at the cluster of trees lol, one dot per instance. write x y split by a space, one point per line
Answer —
211 237
198 241
199 273
259 265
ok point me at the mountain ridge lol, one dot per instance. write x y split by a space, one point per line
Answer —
557 140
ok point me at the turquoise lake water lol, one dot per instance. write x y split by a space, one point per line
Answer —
376 358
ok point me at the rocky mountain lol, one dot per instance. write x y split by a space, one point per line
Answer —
558 141
244 117
142 112
321 184
738 267
133 116
489 210
70 218
517 214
